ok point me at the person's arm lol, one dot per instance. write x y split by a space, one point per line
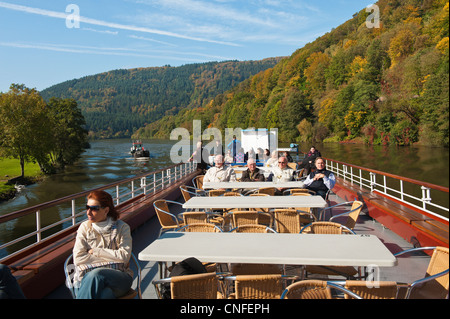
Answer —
308 181
245 176
81 248
329 181
124 245
232 177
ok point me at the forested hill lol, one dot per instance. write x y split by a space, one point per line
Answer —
387 84
117 103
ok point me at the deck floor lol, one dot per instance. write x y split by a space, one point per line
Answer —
408 268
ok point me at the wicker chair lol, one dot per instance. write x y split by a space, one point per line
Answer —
194 217
315 289
188 192
299 191
307 289
200 228
246 217
435 284
216 192
291 220
326 228
258 286
368 290
199 286
167 220
264 210
197 181
252 229
353 213
256 269
267 190
232 194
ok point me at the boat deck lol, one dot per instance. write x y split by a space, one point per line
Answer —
409 268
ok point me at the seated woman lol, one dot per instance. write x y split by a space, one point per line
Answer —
321 180
102 251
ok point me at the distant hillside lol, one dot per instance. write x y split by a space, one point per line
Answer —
117 103
386 85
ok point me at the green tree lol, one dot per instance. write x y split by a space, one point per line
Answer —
69 135
24 125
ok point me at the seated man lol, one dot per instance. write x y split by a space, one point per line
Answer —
220 172
252 174
281 173
321 180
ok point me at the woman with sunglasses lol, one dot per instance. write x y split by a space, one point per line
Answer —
102 251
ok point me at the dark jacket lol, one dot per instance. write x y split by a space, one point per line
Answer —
257 176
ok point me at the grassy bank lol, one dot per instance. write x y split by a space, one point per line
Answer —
10 169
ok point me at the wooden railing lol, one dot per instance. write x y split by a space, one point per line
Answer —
72 211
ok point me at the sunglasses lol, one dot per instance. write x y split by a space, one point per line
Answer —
94 208
282 162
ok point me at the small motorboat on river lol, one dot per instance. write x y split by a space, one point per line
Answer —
138 151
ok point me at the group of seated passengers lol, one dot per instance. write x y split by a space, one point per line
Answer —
320 181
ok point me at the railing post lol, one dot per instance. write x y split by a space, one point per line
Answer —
401 190
373 177
132 189
117 195
360 178
426 196
351 174
143 184
38 226
73 212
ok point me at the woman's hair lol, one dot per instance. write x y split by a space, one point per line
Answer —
105 200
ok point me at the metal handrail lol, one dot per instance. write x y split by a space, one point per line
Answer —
355 174
121 191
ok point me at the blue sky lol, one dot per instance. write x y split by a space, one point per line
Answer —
42 44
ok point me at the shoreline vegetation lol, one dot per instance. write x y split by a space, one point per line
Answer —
10 176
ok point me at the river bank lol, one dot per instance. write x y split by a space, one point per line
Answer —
10 176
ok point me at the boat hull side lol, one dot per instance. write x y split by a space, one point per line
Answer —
401 226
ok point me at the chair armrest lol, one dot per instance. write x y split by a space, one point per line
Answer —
345 213
424 280
413 250
344 290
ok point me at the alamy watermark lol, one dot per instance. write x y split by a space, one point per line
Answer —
373 20
73 18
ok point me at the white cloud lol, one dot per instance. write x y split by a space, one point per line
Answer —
80 49
60 15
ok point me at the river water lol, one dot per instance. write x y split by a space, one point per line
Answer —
108 161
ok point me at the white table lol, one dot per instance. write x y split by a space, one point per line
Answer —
280 249
227 202
251 185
